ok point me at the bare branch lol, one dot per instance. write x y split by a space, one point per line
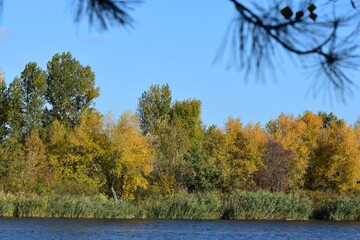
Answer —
105 12
260 30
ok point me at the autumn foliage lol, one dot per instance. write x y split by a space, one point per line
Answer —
53 140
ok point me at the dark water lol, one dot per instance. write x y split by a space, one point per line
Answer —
35 228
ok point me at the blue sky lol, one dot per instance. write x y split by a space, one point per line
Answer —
173 42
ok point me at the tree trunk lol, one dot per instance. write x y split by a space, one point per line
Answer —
113 191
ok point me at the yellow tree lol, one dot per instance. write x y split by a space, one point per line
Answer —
113 152
252 149
298 135
217 152
313 125
37 175
239 152
336 160
126 156
310 134
69 162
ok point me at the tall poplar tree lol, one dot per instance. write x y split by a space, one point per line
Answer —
14 100
154 106
11 156
70 88
182 143
33 81
3 110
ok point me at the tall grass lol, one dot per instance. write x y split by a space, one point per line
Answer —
343 208
90 207
6 205
319 201
183 205
29 206
66 207
119 209
237 205
266 205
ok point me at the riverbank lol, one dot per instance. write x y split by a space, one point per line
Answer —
243 205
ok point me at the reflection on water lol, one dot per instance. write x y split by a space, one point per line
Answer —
37 228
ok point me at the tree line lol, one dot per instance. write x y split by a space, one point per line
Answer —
53 140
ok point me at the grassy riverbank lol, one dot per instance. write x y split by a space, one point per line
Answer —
259 205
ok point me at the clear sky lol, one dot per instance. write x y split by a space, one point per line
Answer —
173 42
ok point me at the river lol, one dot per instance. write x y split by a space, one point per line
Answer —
45 228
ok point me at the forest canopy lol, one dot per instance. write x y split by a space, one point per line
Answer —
54 140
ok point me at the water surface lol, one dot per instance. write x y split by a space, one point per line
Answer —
45 228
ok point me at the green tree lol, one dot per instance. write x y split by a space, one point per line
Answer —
12 164
175 129
187 115
204 174
14 101
3 107
357 123
70 88
184 134
33 81
153 107
11 155
329 118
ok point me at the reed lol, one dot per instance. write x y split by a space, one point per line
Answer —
29 206
119 209
265 205
183 205
7 205
90 207
343 208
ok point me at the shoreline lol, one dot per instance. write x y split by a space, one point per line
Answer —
185 220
